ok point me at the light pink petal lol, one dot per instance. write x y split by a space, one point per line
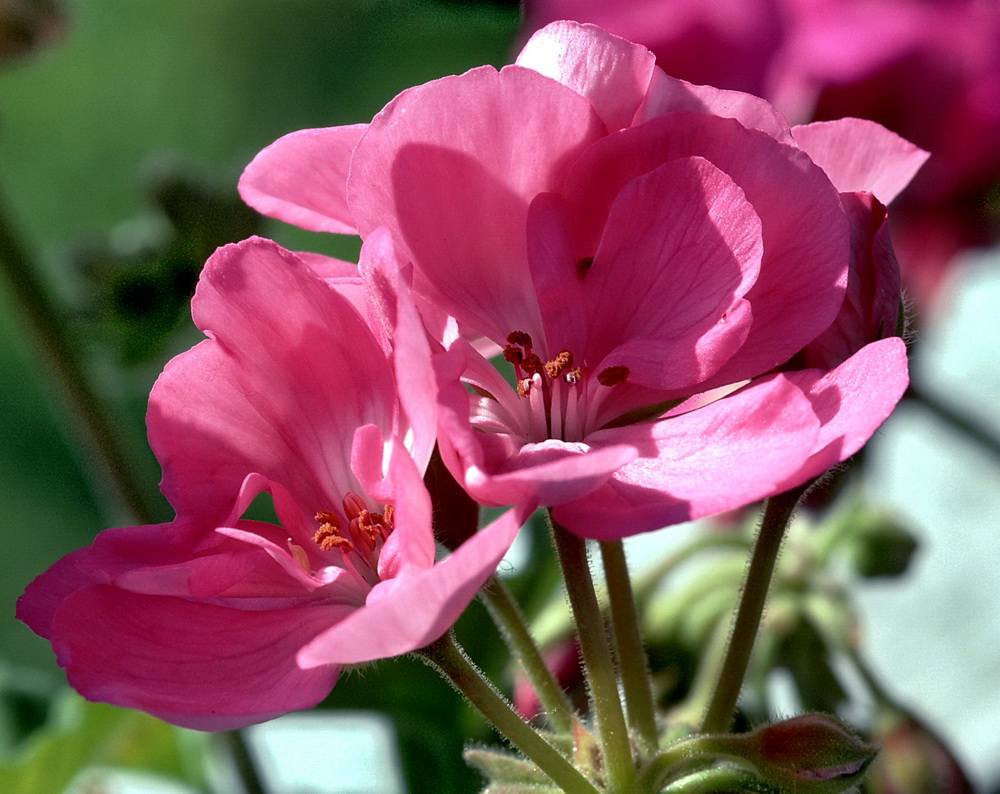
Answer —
290 373
805 234
721 456
301 179
412 541
852 401
420 607
609 71
669 95
398 325
342 276
861 156
193 664
498 469
680 247
450 167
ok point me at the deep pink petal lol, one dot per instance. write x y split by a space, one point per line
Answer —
302 179
861 156
724 455
685 245
420 607
193 664
291 371
852 401
669 95
609 71
871 307
450 168
805 234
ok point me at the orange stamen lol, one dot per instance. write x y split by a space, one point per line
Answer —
558 364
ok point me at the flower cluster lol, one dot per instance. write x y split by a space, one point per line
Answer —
596 288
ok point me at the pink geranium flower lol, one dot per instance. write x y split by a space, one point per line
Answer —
647 253
214 620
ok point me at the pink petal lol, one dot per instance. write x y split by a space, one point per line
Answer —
861 156
498 469
669 95
301 179
394 316
609 71
852 401
805 234
420 607
450 168
724 455
193 664
680 247
258 397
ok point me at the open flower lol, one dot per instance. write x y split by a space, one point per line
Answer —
646 253
214 620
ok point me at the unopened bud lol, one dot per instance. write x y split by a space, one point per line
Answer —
809 754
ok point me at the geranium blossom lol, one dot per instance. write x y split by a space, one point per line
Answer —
214 620
646 253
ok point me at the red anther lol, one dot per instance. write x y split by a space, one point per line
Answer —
613 375
519 338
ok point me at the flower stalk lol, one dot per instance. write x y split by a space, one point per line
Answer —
448 658
507 615
777 512
628 643
600 669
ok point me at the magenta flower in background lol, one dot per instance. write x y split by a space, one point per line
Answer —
927 69
647 253
216 621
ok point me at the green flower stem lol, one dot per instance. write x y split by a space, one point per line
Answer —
451 661
628 641
684 758
243 760
601 676
506 613
45 321
722 706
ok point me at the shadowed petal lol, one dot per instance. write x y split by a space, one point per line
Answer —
301 179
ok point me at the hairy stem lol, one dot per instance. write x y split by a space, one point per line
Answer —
446 656
600 669
628 642
506 613
722 706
